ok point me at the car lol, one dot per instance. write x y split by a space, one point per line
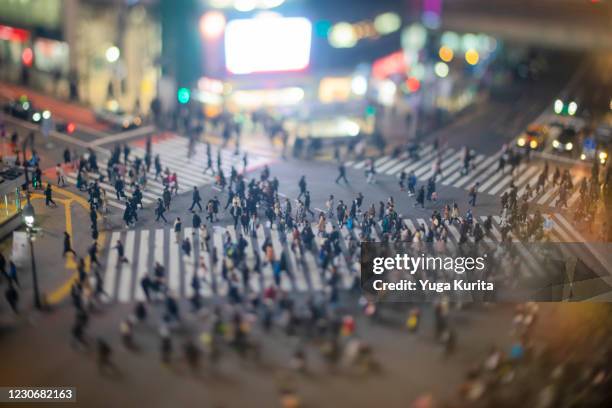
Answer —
118 118
598 145
534 137
566 107
566 140
21 108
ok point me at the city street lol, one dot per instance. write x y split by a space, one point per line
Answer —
201 232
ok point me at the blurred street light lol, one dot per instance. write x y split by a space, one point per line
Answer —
342 35
441 69
271 3
244 5
472 57
183 95
28 214
469 41
413 84
414 37
359 85
387 23
446 53
112 54
27 57
212 24
451 40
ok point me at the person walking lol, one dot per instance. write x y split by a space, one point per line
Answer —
473 193
341 174
307 203
137 198
302 186
370 172
412 181
167 197
160 210
210 210
186 246
67 245
178 226
120 253
195 199
196 222
420 200
59 172
93 254
49 196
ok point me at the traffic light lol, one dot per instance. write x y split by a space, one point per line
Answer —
183 95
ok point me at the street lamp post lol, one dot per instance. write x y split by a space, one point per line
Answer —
28 218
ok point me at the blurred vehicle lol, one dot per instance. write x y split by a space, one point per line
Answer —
534 137
65 127
566 106
23 109
118 118
598 145
566 140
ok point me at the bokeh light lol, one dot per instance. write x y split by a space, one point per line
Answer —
387 23
446 53
342 35
441 69
212 24
472 57
112 54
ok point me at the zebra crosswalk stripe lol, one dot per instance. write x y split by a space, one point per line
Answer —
490 169
495 177
125 277
409 165
410 225
141 266
145 247
174 283
547 195
454 232
427 171
503 184
386 166
476 171
110 274
521 182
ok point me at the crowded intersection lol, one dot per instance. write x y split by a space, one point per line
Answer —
211 243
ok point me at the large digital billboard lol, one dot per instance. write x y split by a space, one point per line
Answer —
267 44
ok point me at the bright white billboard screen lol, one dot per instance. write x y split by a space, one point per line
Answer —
267 45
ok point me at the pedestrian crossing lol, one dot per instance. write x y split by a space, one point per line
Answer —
484 171
143 248
173 154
